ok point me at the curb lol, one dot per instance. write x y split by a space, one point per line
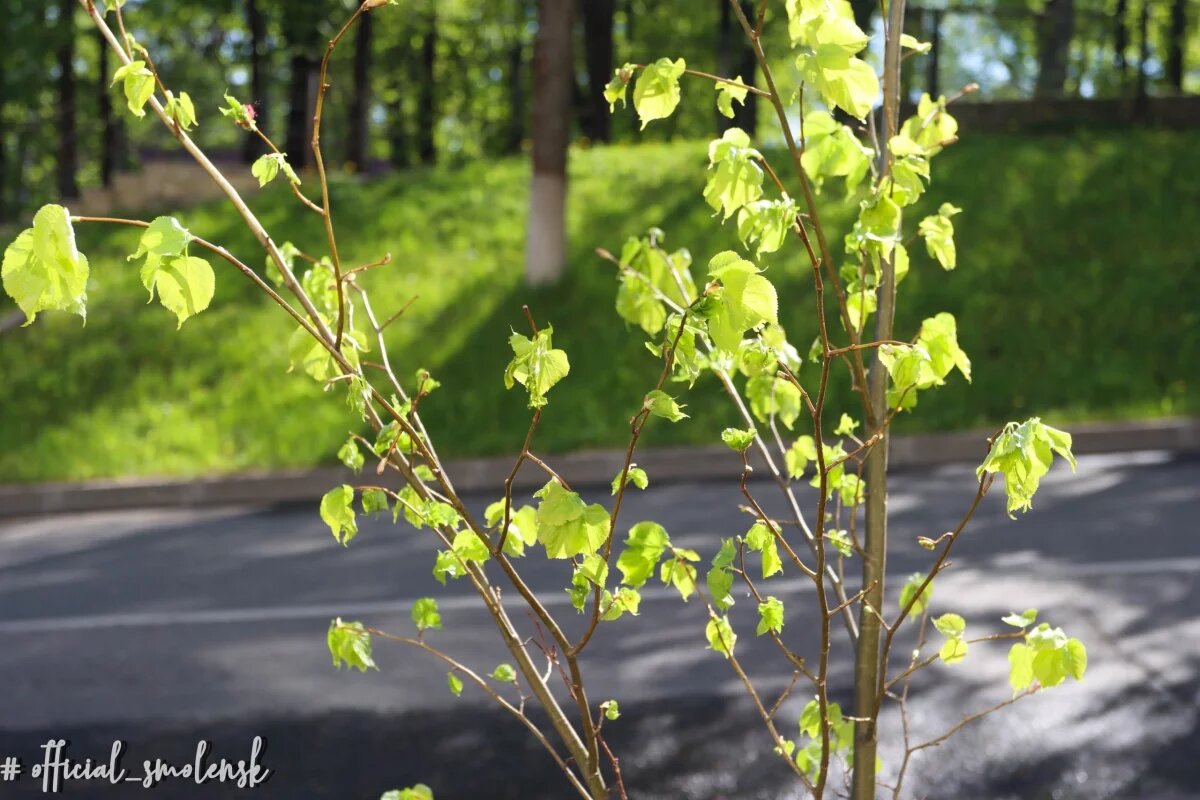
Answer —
591 469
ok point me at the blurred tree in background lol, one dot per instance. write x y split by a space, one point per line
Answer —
453 80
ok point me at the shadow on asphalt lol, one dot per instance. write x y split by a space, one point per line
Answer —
686 749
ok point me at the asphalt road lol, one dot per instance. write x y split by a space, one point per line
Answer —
161 628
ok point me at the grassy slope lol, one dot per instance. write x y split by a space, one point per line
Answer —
1076 299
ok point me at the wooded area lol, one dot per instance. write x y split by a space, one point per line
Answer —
450 81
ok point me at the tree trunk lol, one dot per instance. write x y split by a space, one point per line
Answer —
5 44
68 134
867 662
301 96
1121 42
516 98
598 18
426 93
1177 45
1141 101
933 67
545 244
358 147
108 128
735 56
1056 27
256 24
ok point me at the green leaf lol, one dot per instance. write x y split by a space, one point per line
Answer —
728 92
181 110
953 651
268 166
536 365
418 792
185 286
678 572
938 232
337 511
909 591
350 644
738 439
802 452
1023 453
455 683
522 526
504 673
833 151
611 709
720 585
771 396
1021 620
720 636
636 476
350 455
1075 659
1020 667
615 90
770 616
844 81
656 92
661 404
931 126
240 113
374 501
43 270
767 222
840 539
138 83
644 547
734 176
951 625
624 601
746 300
846 426
566 526
910 42
425 614
761 539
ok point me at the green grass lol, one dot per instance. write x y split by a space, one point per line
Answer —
1076 299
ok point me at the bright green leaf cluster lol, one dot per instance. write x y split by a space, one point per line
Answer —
350 644
425 614
615 90
728 92
721 636
770 616
1047 657
746 300
644 548
536 365
908 594
268 166
185 284
926 363
566 526
138 82
831 39
43 270
953 627
1023 452
734 175
181 110
418 792
938 232
761 539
